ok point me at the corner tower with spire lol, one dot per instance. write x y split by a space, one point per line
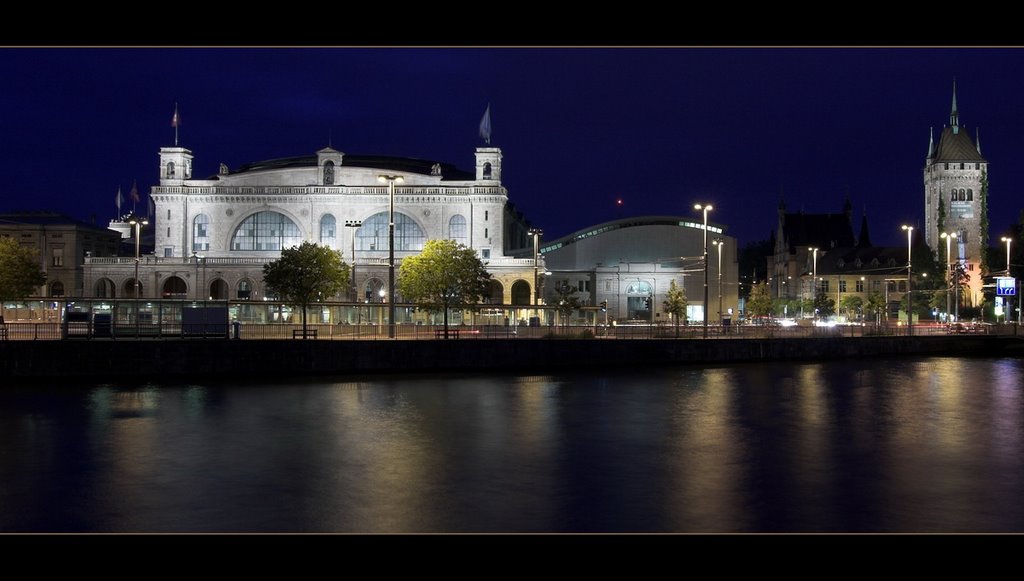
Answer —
954 176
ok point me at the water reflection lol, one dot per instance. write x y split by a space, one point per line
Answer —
881 445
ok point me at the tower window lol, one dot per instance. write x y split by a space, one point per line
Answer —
487 170
961 165
170 169
970 195
947 165
329 173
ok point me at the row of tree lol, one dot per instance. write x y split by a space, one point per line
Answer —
445 275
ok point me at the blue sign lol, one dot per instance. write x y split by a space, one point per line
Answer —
1006 286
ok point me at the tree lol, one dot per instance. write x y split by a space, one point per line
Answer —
20 273
823 304
445 275
875 306
566 299
851 305
760 303
675 303
306 274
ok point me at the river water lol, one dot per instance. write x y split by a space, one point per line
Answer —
881 445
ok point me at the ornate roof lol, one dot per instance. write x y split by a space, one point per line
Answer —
956 145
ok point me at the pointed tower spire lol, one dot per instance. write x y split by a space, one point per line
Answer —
977 139
954 116
864 240
931 142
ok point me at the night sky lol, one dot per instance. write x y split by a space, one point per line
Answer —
660 128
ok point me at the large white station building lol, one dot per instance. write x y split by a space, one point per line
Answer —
212 236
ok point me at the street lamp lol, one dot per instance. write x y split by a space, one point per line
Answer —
706 208
949 269
1007 240
814 281
719 243
536 233
138 223
354 224
391 181
910 295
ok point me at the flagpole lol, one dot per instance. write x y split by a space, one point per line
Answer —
175 124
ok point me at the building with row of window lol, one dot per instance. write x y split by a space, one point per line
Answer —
212 236
62 244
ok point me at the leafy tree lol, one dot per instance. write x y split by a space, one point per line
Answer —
20 273
566 299
445 275
760 303
875 306
306 274
851 305
675 303
823 304
941 222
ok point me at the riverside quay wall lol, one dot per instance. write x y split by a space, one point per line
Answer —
149 359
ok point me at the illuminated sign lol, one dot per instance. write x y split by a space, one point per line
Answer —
1006 286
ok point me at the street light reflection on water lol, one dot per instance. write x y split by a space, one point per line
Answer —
882 445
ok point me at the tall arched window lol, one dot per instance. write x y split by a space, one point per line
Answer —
328 226
373 234
457 229
487 170
329 173
170 169
200 233
244 291
970 195
266 231
56 289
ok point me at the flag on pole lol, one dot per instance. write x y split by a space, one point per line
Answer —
134 195
175 121
485 125
118 201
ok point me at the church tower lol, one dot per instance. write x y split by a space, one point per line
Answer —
954 176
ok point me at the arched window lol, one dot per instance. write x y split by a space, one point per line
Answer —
266 231
372 291
327 229
170 169
638 288
200 233
104 289
952 196
219 290
970 195
244 291
175 288
373 234
329 173
130 287
963 195
487 170
457 229
56 289
521 293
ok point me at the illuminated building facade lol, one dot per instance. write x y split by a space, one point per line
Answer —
212 236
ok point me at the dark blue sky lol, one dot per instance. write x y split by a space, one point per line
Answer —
659 127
